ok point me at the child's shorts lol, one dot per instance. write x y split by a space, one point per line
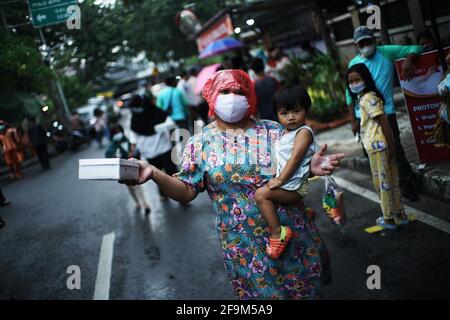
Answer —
303 189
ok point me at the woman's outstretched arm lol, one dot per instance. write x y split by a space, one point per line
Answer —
170 186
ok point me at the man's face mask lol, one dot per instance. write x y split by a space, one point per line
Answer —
231 107
367 51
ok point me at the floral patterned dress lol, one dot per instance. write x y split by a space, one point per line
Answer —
231 167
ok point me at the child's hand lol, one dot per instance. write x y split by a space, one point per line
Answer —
274 183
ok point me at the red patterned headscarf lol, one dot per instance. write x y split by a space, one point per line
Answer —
229 79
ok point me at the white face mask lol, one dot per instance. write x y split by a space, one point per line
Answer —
231 107
367 51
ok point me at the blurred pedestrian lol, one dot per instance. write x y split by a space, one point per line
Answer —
426 40
27 147
278 61
3 201
38 138
155 147
172 101
194 99
10 142
309 51
265 88
380 62
99 126
120 147
378 140
187 89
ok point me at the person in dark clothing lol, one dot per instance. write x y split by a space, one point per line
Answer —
310 50
265 87
3 202
153 146
38 139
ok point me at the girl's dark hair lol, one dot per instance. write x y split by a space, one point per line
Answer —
291 98
370 86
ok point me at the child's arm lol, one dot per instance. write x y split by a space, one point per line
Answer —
302 141
387 131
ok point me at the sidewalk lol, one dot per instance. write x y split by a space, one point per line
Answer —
433 180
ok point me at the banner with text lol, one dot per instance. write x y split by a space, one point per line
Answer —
423 103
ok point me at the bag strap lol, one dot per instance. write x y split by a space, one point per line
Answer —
169 107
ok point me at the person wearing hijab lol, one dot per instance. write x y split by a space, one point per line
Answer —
231 159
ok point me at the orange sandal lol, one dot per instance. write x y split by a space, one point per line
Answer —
276 246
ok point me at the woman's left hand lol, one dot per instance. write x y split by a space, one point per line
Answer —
322 165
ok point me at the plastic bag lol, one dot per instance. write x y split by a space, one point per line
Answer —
333 202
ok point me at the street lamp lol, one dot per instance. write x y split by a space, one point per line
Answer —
237 30
44 108
250 22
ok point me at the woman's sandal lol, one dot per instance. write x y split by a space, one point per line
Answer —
276 246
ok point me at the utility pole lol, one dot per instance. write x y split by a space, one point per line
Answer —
56 81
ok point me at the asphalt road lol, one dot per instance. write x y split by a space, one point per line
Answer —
57 221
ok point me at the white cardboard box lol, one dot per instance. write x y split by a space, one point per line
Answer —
108 169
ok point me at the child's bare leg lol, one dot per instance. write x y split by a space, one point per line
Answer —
133 195
265 199
140 195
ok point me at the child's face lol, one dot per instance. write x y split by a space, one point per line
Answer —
354 78
292 119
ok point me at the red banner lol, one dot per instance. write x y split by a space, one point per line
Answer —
423 103
219 30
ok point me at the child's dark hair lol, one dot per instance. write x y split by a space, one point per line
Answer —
363 71
292 97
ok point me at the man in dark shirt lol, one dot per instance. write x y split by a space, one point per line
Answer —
38 139
265 87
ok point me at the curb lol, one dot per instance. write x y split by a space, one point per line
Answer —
433 182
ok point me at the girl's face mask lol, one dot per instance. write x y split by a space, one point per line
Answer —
231 107
357 88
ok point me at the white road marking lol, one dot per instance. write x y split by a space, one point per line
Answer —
102 282
419 215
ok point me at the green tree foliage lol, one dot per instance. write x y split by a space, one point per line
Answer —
21 66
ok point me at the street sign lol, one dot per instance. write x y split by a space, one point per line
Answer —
48 12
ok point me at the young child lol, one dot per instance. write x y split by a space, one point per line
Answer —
378 141
120 146
293 151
